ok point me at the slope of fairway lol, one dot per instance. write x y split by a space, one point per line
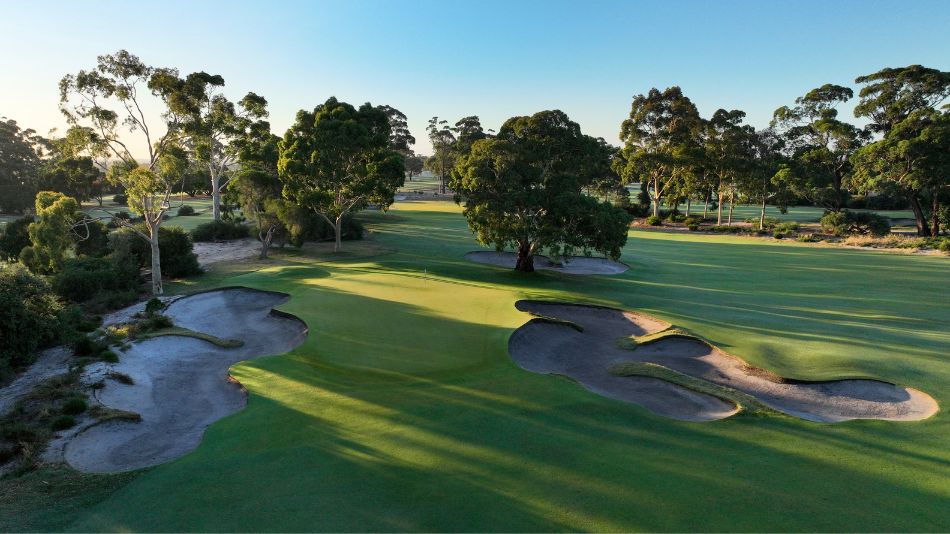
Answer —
403 410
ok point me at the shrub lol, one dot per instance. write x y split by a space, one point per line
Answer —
186 211
153 306
109 356
63 422
87 346
84 277
14 238
846 222
220 231
692 227
809 238
654 220
693 220
120 199
778 235
727 229
30 316
74 406
177 250
769 223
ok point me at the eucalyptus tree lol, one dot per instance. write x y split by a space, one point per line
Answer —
759 184
258 187
213 125
108 101
724 154
659 140
524 188
911 152
336 160
443 144
400 138
414 165
820 144
20 152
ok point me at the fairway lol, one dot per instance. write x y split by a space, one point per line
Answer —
403 410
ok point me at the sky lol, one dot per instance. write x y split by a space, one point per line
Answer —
494 59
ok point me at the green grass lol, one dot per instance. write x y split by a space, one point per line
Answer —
403 411
744 401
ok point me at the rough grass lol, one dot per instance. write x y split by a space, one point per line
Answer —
745 402
185 332
403 411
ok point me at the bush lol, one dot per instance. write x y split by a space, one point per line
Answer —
92 239
85 277
87 346
14 238
219 231
654 220
809 238
177 250
30 317
693 220
692 227
787 227
304 225
844 223
186 211
120 199
74 406
769 223
727 229
153 306
63 422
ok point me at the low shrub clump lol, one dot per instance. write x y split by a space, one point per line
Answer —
654 220
120 199
845 223
728 229
178 257
85 277
186 211
220 231
941 243
31 317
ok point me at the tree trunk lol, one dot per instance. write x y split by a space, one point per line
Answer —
525 263
762 214
732 202
266 238
688 202
338 231
706 205
935 216
156 262
922 229
215 196
656 197
719 205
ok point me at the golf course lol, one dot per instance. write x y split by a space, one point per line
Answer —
407 413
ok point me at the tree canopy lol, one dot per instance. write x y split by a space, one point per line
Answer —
524 189
337 159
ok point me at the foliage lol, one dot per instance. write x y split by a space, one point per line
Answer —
523 188
400 138
185 210
847 222
85 277
336 161
654 220
178 259
91 237
120 199
15 237
30 317
20 152
51 235
219 231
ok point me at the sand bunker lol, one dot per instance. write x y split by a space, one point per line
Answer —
181 384
571 265
582 342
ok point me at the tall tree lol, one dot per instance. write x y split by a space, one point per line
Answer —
659 140
336 160
524 188
443 143
902 105
109 100
724 141
400 138
51 240
258 185
20 152
820 144
212 124
414 165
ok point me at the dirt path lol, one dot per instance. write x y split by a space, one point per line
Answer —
547 347
578 265
181 384
239 249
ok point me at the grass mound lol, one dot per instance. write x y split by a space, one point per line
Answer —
745 402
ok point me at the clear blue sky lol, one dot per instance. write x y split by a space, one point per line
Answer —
493 59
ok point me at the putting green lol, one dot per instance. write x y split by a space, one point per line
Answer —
403 411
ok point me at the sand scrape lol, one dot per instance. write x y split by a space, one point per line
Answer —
571 265
544 345
181 384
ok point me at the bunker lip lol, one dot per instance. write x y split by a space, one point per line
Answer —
575 265
586 354
181 384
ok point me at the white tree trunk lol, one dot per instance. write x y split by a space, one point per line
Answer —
337 231
215 195
156 261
